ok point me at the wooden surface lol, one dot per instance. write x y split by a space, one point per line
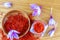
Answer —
24 5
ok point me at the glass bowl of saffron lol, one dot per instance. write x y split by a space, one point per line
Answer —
16 20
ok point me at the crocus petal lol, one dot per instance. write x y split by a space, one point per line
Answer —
9 34
7 4
13 34
16 36
36 10
34 13
33 6
16 31
52 22
51 32
11 37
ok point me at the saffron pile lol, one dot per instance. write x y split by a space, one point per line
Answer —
16 22
28 36
2 35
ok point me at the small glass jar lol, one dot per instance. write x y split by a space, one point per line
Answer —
41 28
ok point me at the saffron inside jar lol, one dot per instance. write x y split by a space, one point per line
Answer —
16 21
38 27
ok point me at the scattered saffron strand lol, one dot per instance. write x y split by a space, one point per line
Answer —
13 34
36 10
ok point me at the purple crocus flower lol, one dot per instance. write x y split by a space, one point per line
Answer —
13 34
36 10
52 22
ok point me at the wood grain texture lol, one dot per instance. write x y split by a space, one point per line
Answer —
24 5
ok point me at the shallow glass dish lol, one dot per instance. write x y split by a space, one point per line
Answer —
14 12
